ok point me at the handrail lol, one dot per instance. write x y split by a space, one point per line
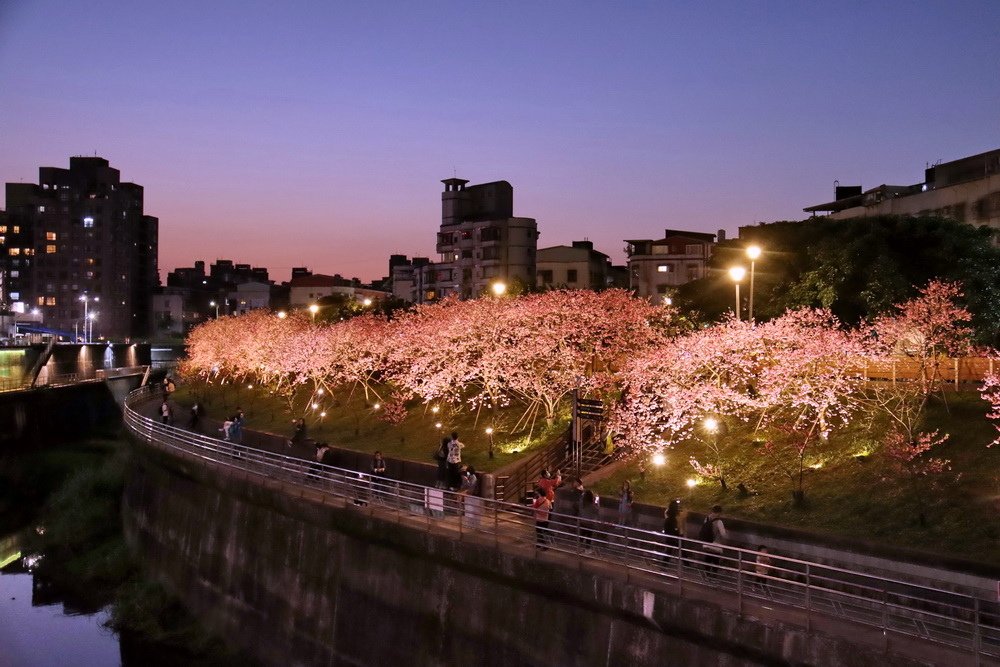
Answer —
960 620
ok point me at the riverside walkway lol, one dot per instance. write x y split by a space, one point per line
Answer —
935 623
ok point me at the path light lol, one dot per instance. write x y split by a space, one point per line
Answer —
691 483
323 414
736 274
320 391
376 406
315 309
249 386
667 301
315 405
499 288
435 409
659 459
489 432
753 252
437 425
711 424
367 302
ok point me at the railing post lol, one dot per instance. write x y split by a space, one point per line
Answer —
808 599
885 615
739 582
977 638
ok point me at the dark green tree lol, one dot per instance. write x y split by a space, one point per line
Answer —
858 268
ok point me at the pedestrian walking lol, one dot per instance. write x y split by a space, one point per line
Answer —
548 483
441 456
671 528
166 414
589 513
299 434
713 532
195 421
542 507
455 447
236 427
625 501
762 567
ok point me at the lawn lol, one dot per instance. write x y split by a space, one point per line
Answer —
854 493
351 421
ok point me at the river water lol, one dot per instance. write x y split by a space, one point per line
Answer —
71 592
46 633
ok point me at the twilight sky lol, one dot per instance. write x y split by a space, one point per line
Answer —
316 133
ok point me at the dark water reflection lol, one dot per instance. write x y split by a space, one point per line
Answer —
67 577
36 633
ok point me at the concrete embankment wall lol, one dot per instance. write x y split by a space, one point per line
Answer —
298 582
36 416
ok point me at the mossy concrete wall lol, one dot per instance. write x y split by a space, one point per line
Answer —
298 582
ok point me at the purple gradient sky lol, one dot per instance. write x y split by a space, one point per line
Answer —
285 135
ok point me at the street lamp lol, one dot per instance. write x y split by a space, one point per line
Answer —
667 301
489 432
711 425
753 252
215 304
737 273
659 459
86 314
91 317
499 288
367 302
282 314
314 309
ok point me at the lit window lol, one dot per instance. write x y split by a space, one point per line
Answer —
3 239
41 209
41 301
50 236
17 229
15 274
88 222
90 261
3 229
664 268
14 252
50 301
50 249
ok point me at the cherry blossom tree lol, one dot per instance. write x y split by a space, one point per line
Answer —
990 392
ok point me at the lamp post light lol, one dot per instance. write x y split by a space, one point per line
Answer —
91 317
753 252
86 314
489 432
737 273
282 314
366 302
499 288
215 304
314 309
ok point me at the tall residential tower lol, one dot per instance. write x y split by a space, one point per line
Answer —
79 243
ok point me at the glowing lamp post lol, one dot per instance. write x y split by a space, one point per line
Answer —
215 304
282 314
659 460
87 318
366 302
753 252
314 309
737 273
499 288
489 432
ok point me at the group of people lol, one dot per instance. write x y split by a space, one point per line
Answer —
452 474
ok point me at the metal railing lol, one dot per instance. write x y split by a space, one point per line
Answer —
936 614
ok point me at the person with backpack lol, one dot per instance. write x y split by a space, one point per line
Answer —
713 531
